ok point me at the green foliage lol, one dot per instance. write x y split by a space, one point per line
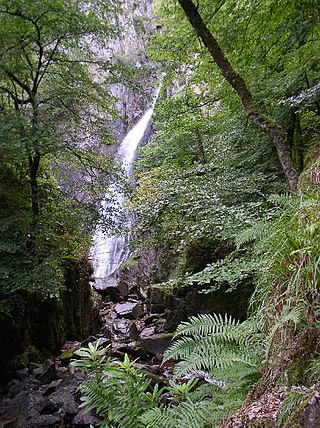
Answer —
122 397
181 390
222 347
210 172
231 270
117 392
288 280
53 114
207 174
213 342
186 414
312 372
289 404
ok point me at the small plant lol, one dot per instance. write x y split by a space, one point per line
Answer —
290 403
181 390
116 391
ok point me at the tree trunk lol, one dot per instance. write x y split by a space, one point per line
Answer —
202 153
34 162
275 132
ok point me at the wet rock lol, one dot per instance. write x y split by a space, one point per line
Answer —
124 329
62 372
22 408
312 413
129 310
8 423
22 373
110 287
34 366
84 419
61 397
157 343
157 300
115 353
47 390
104 342
147 332
47 373
47 408
150 318
13 388
132 348
44 421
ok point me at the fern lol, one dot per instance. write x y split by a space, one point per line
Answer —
187 414
259 231
286 297
211 342
313 371
206 324
289 317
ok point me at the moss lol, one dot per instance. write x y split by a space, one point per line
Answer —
130 263
44 325
295 373
25 358
309 179
67 354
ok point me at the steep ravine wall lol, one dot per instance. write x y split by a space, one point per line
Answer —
41 327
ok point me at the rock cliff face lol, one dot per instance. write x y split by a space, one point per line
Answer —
43 326
129 51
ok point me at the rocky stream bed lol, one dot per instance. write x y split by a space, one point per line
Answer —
47 394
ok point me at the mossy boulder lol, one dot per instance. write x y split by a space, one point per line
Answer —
31 354
191 300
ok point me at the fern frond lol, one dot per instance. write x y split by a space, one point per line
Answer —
187 414
205 324
313 371
211 342
259 231
292 400
289 316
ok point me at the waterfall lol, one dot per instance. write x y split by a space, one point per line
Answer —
108 253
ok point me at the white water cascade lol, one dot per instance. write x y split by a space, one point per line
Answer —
108 253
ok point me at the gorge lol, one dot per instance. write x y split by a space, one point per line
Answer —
210 318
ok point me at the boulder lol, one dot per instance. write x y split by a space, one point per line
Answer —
44 421
133 349
129 310
47 373
147 332
124 329
84 419
110 287
156 343
150 319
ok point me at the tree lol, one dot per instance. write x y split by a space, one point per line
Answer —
54 109
45 55
236 81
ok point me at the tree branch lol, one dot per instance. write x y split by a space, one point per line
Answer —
272 129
